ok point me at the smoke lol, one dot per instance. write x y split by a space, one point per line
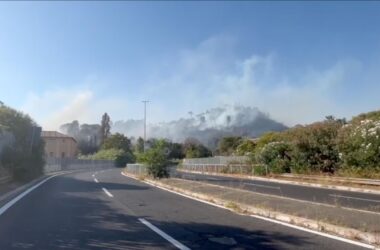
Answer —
207 127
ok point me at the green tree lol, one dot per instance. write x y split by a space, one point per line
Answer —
228 145
156 159
105 127
194 149
24 155
246 147
139 147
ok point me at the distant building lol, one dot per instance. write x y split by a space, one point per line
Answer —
59 145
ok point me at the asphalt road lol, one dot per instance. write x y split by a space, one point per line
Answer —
357 200
106 210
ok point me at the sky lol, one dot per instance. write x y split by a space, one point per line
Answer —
296 61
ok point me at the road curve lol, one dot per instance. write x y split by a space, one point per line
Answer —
105 210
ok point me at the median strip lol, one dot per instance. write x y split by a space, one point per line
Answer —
164 235
107 193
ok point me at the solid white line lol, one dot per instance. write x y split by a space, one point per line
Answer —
354 198
267 219
258 185
20 196
93 175
96 180
107 193
164 235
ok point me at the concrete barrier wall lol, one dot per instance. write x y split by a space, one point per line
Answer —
58 164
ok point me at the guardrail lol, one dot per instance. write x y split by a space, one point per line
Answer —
218 168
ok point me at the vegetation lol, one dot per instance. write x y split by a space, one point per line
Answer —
105 127
332 146
116 147
21 147
192 148
156 159
228 145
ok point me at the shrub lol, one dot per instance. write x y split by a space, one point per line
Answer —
156 159
359 147
275 155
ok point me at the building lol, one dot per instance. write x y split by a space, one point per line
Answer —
59 145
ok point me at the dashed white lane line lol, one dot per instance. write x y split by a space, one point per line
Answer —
164 235
96 180
20 196
353 198
107 193
357 243
259 185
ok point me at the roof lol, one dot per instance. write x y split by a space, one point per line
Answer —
55 134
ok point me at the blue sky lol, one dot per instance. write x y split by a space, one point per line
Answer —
297 61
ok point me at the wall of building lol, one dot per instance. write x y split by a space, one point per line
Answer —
60 147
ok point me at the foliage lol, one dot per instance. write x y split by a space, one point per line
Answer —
314 147
118 141
275 155
359 146
246 147
228 145
86 135
139 147
156 159
120 156
105 127
23 155
194 149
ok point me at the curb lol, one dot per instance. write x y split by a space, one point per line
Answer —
307 184
363 239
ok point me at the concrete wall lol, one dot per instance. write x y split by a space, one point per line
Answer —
54 164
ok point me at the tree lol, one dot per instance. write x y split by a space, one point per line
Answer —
194 149
139 147
228 145
156 159
105 127
247 147
117 147
23 155
118 141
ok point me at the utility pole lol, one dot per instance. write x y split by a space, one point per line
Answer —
145 102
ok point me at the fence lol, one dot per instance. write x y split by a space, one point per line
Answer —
219 164
58 164
136 169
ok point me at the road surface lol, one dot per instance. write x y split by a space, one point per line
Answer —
106 210
357 200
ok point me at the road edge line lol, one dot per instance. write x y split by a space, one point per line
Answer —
13 201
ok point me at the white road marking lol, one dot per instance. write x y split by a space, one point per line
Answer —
267 219
96 180
259 185
354 198
107 193
164 235
20 196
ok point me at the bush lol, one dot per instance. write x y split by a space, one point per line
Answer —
275 155
23 154
156 159
120 157
359 147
